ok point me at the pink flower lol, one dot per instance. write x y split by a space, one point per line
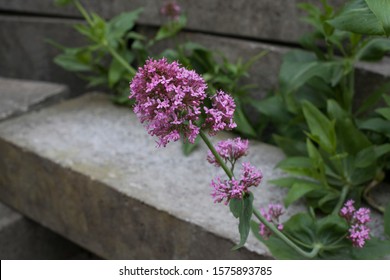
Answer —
220 116
348 210
229 150
171 10
357 219
168 100
250 176
271 215
226 190
358 234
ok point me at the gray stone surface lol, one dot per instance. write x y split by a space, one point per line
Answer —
97 177
22 239
20 96
26 54
266 19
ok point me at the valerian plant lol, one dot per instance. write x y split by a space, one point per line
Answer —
336 149
115 49
172 103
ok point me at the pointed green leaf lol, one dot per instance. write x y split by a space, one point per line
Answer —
299 190
320 126
374 50
357 17
381 9
384 112
244 220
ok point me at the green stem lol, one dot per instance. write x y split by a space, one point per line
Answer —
279 234
342 198
83 12
229 173
216 155
120 59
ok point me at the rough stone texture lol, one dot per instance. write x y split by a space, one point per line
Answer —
107 187
35 60
20 96
25 53
266 19
21 238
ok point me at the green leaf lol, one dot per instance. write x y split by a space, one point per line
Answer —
349 136
365 157
384 112
372 250
387 99
331 229
320 127
381 9
171 28
243 124
288 182
376 124
278 248
290 147
74 59
294 74
301 166
118 26
386 219
273 107
188 147
236 206
244 220
357 17
299 190
374 98
375 49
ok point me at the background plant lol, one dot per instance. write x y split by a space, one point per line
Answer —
336 148
114 49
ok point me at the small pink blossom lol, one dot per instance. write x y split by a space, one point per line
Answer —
230 150
226 190
359 232
220 115
250 176
272 215
171 9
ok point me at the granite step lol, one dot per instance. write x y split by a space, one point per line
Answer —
20 237
89 171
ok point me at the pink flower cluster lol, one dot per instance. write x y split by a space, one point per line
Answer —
220 116
229 150
229 189
171 10
271 215
359 232
170 99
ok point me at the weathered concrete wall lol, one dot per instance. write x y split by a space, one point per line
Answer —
266 19
26 54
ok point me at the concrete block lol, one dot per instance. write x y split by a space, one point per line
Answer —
26 54
108 188
89 171
23 239
265 20
20 96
